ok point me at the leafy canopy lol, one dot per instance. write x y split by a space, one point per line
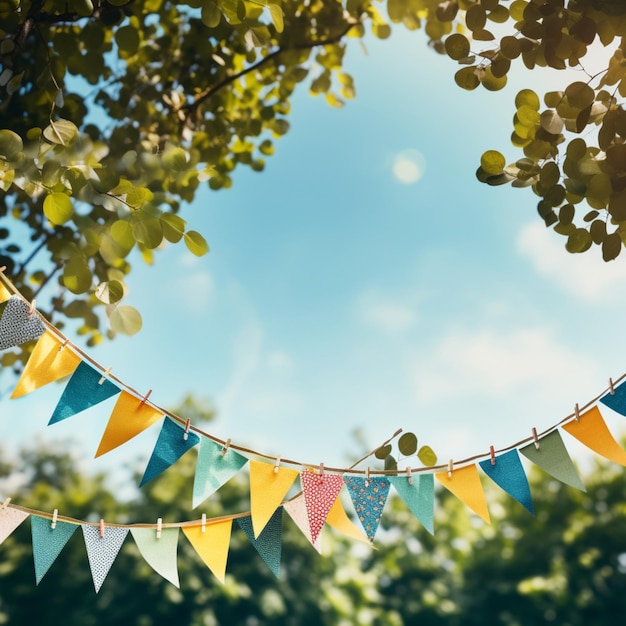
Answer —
114 112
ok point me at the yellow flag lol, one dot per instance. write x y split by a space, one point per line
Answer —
212 545
130 416
339 520
267 490
466 486
48 362
592 431
5 294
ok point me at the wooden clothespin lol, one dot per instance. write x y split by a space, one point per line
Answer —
64 344
225 447
492 453
367 476
145 398
187 427
159 528
101 528
450 468
204 522
5 504
536 438
611 388
408 474
104 376
577 412
276 465
55 515
32 308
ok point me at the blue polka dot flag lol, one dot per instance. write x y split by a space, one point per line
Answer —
369 497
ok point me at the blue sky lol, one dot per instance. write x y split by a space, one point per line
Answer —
366 280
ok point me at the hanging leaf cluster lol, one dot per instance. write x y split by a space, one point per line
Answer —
407 447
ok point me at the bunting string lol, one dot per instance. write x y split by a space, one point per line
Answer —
316 503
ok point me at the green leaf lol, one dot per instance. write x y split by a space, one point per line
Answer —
578 241
125 320
457 46
127 39
210 14
11 144
391 463
57 207
138 196
77 275
427 456
110 292
492 162
529 98
175 159
196 243
148 232
276 13
61 132
173 227
407 444
122 234
466 78
383 452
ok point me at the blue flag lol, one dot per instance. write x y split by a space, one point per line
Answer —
507 472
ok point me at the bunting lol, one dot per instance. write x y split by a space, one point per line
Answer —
317 505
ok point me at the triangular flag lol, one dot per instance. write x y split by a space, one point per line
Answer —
465 484
368 497
19 324
212 545
130 416
267 490
48 362
48 542
82 392
338 519
10 519
213 469
159 553
320 492
419 496
170 446
592 431
5 294
507 472
269 543
552 457
102 551
296 508
617 400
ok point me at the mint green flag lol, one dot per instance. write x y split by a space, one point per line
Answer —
159 553
552 457
419 496
48 542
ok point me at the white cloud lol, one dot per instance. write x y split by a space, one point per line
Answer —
408 166
488 363
381 313
280 361
584 275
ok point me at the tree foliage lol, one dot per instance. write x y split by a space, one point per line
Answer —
114 112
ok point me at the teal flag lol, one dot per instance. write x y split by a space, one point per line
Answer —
48 542
368 497
269 542
170 446
419 496
552 457
214 469
82 392
617 400
507 472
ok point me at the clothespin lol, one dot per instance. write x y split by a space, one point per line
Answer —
321 470
276 465
101 528
104 376
55 514
204 522
225 447
536 438
409 477
65 342
187 426
159 527
32 307
577 412
145 398
367 476
5 504
611 388
450 468
492 453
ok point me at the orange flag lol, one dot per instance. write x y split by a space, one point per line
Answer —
339 520
267 491
466 486
212 545
49 362
130 416
5 294
592 431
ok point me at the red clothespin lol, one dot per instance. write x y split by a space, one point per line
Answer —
104 376
204 522
611 388
101 528
276 465
145 398
225 447
187 426
409 477
536 438
450 468
159 528
492 453
55 515
577 412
